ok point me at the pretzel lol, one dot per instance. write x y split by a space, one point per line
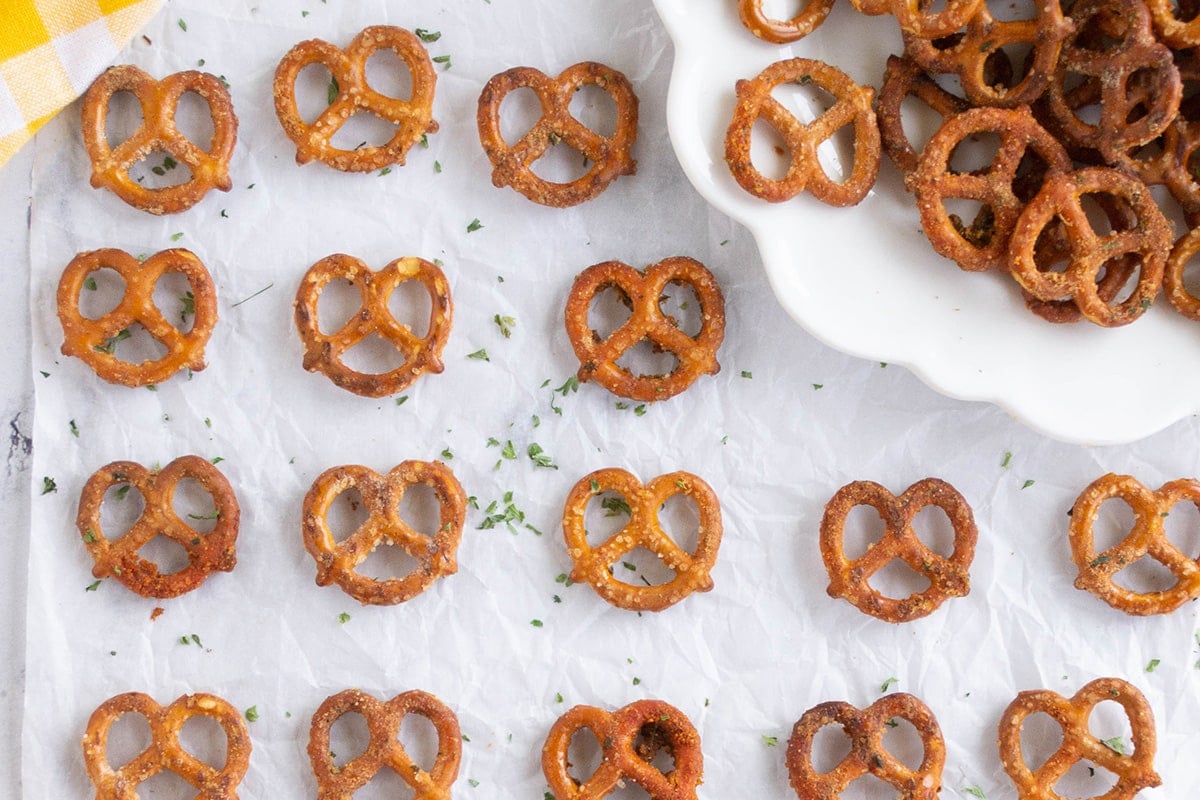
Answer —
915 17
948 577
629 738
384 719
642 292
609 157
323 351
1134 771
852 106
1147 538
592 564
165 753
781 31
1176 290
1149 241
118 558
94 340
159 101
381 495
984 244
868 755
1176 24
413 117
904 78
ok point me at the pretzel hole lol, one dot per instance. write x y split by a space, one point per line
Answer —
1184 12
128 737
340 300
363 129
410 305
830 746
1085 779
420 509
933 527
679 518
609 310
1109 722
349 737
606 515
1129 288
862 529
769 153
1105 28
133 344
166 554
583 754
595 108
1144 576
1007 66
166 784
175 300
679 305
388 562
124 118
346 514
1041 737
898 580
1051 250
646 360
519 112
1030 175
108 294
385 785
903 742
641 567
419 738
561 163
205 739
374 355
389 75
315 91
1083 98
195 505
919 121
194 119
1013 10
868 787
974 154
159 169
122 506
1182 526
979 231
652 744
1190 275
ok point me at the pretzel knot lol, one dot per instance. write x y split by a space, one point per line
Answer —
413 117
644 529
159 101
118 558
1147 538
382 495
610 156
629 738
867 755
165 753
948 577
323 351
1134 771
94 340
852 106
643 293
384 719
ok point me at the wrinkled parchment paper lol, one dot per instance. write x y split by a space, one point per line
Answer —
784 424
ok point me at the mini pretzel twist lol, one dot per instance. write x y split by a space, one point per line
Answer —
413 117
948 577
610 156
384 750
867 755
782 31
323 351
159 101
629 738
904 78
165 753
1134 771
1174 287
592 564
118 558
381 495
915 17
642 292
1147 538
94 340
1061 198
852 106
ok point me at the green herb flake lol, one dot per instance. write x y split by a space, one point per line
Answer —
724 242
90 284
1116 744
564 579
93 586
122 491
110 344
427 36
637 681
48 485
252 714
447 454
480 355
883 687
613 506
975 791
640 410
474 225
1153 665
73 428
442 60
770 741
217 459
537 623
558 698
437 167
509 451
385 171
182 25
594 485
343 618
505 324
175 237
402 399
629 566
187 301
747 374
818 387
472 782
1028 482
539 458
334 90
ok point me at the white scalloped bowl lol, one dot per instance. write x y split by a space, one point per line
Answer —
865 280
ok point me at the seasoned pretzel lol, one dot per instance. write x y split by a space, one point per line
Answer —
642 292
159 101
381 495
868 755
610 156
782 31
1176 290
915 17
903 78
1147 538
1061 198
1133 771
340 782
118 558
629 738
413 117
852 106
1176 24
166 753
948 577
323 351
592 564
94 340
983 245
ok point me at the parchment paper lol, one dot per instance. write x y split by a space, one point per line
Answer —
784 424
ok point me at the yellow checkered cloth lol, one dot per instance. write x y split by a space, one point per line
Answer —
51 51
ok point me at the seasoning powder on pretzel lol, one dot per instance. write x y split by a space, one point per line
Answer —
159 101
323 351
384 750
118 557
166 753
413 117
593 565
630 738
95 341
381 498
608 157
643 292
